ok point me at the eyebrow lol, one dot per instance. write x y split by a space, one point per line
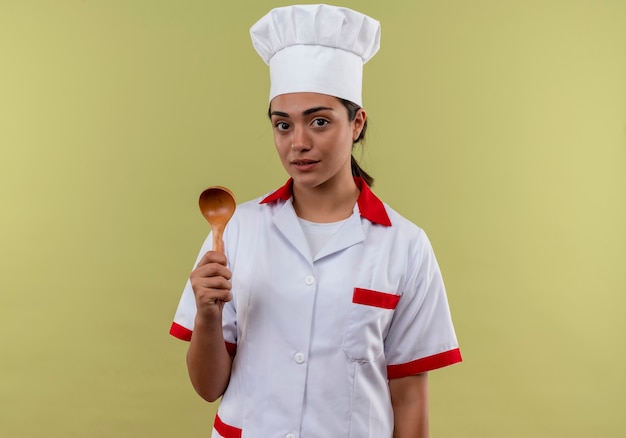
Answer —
304 113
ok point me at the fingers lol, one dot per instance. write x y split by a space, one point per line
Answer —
205 299
212 257
211 270
210 283
215 283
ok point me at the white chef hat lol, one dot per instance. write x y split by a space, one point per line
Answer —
316 48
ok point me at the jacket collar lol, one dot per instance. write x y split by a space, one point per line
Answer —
370 207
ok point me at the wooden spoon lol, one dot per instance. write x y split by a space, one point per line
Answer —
217 205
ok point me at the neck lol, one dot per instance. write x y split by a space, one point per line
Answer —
327 202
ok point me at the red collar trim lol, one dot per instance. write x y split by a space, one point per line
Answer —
370 206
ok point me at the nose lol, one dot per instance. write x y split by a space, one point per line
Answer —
300 140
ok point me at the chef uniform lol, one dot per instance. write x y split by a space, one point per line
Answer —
322 317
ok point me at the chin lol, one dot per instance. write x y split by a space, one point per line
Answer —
308 181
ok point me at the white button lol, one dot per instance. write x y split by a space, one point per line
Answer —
290 435
299 357
309 280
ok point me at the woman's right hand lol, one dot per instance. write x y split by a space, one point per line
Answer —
211 285
208 361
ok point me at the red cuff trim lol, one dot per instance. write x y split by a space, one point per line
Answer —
226 430
184 334
375 298
180 332
424 364
231 348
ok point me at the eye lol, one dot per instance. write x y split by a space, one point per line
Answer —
281 126
320 123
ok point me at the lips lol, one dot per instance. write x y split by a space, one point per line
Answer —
303 164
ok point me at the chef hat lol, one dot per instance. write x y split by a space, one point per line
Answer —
316 48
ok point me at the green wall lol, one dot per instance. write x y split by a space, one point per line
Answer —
498 126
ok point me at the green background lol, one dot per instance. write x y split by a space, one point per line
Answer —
497 126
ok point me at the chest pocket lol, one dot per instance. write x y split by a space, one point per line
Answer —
367 324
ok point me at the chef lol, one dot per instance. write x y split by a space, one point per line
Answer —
328 309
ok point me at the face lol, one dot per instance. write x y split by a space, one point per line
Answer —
313 136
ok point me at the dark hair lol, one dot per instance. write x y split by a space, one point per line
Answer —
352 109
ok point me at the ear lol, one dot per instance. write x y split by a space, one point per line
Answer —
358 123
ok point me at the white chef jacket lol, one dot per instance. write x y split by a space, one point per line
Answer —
315 339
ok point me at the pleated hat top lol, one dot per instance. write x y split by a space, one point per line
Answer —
316 48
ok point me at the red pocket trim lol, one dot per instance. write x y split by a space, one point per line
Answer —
375 298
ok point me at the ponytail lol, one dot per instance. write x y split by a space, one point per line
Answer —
357 170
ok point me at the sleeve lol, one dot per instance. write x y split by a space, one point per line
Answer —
421 337
184 317
182 325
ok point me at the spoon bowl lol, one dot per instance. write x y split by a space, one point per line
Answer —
217 205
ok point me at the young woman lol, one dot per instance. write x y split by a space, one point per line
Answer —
328 309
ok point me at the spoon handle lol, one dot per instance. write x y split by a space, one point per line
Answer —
218 241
